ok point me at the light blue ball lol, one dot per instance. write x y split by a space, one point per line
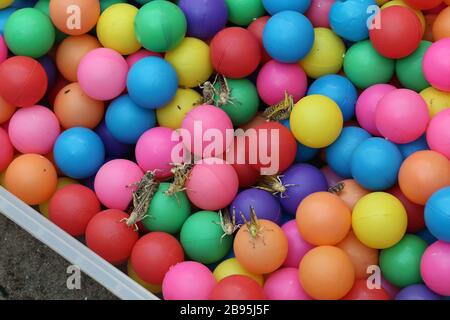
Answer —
375 164
288 36
304 153
339 154
437 214
79 153
340 90
152 82
275 6
408 149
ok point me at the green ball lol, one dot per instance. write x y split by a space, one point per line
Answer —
160 26
400 264
201 237
364 66
44 7
409 69
29 32
244 102
167 213
243 12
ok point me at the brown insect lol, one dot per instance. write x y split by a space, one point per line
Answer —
227 223
337 189
224 92
209 91
274 185
180 176
253 227
280 111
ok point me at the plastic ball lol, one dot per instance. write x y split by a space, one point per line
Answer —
415 212
74 20
113 148
434 267
379 220
139 55
402 3
319 13
408 149
32 178
360 291
436 100
6 110
409 69
153 288
423 4
257 29
288 36
441 26
246 174
61 183
435 68
438 134
3 49
297 246
7 150
284 284
237 287
173 113
351 192
243 12
231 267
275 6
417 292
437 214
110 238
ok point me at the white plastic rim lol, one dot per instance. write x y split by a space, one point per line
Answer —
71 249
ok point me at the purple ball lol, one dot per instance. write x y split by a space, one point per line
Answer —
417 292
50 69
113 148
204 17
306 179
266 205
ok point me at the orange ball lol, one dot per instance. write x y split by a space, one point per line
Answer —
71 51
351 192
422 174
326 273
32 178
75 109
6 110
264 252
74 17
323 219
441 26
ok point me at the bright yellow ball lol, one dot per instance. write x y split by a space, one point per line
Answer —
379 220
62 182
316 121
150 287
326 55
436 100
232 267
192 62
115 28
403 4
172 114
5 3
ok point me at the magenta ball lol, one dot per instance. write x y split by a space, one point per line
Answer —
275 78
34 130
113 183
318 13
188 280
435 267
3 49
402 116
284 284
366 106
141 54
102 74
212 184
6 151
297 246
438 133
436 66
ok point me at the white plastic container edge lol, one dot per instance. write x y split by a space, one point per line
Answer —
71 249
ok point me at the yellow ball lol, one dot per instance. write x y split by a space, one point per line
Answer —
436 100
153 288
231 267
379 220
192 62
172 114
326 55
316 121
62 182
5 3
403 4
115 28
381 2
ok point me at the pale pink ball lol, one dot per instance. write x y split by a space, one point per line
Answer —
297 246
438 133
402 116
3 49
102 74
188 280
275 78
141 54
34 130
284 284
318 13
436 64
113 183
367 105
154 151
435 267
212 184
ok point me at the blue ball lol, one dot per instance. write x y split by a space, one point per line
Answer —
275 6
79 153
152 82
437 214
339 154
340 90
349 18
288 36
408 149
375 164
127 121
304 153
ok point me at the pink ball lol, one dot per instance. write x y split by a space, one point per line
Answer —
3 49
284 284
275 78
34 130
141 54
436 65
102 74
199 124
212 184
154 151
6 150
331 176
402 116
435 267
188 280
297 247
113 183
438 133
367 105
318 13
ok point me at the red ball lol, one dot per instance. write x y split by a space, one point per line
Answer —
360 291
415 212
109 236
237 287
246 174
23 81
235 52
6 150
257 29
423 4
154 254
399 34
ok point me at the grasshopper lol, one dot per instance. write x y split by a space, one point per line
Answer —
274 185
228 223
337 188
181 174
280 111
254 228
